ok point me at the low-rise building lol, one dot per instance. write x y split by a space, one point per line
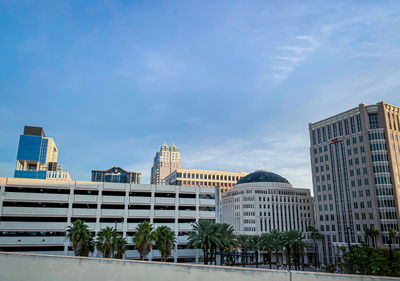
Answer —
35 213
263 201
116 174
195 177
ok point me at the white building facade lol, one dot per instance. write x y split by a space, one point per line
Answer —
35 213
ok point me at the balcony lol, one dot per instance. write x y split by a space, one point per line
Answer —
85 198
114 199
31 211
187 189
187 201
170 225
111 224
32 240
207 214
140 187
183 239
187 214
185 226
139 213
169 188
207 202
84 212
164 213
115 186
42 197
139 200
112 212
132 226
165 200
31 226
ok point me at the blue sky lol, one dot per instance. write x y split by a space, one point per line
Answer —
233 83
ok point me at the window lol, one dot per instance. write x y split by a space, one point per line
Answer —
373 121
353 125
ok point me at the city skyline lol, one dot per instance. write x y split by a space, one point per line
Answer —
232 86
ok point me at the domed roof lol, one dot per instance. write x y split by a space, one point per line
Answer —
262 176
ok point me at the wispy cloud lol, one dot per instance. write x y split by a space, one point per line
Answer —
291 56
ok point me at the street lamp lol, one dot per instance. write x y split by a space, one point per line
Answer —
115 235
348 233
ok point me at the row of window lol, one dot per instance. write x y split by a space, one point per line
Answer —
208 177
336 129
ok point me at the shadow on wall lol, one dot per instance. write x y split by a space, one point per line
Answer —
36 267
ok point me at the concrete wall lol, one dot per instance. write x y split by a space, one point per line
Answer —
33 267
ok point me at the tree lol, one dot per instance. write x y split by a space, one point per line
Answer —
81 238
277 243
392 235
266 242
227 240
105 241
143 239
244 245
374 232
315 236
290 238
255 245
121 245
164 239
202 237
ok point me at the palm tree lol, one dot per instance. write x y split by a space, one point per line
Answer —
277 243
227 240
164 239
392 234
255 245
244 245
143 239
266 242
81 238
315 236
300 245
374 232
105 241
121 246
203 237
289 240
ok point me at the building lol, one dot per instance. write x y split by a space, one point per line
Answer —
195 177
37 156
35 213
355 166
263 201
116 174
167 160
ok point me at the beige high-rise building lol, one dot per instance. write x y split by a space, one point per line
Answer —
355 158
167 160
210 178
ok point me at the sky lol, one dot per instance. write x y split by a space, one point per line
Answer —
234 84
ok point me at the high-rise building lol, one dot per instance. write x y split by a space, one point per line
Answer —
115 174
194 177
37 156
355 158
167 160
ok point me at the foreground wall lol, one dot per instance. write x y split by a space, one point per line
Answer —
34 267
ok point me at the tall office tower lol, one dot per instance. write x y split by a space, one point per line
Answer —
37 156
355 165
167 160
115 174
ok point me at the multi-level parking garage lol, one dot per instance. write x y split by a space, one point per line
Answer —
35 213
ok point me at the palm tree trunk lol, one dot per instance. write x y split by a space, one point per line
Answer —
276 258
205 256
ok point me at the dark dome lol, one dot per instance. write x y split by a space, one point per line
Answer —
262 176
